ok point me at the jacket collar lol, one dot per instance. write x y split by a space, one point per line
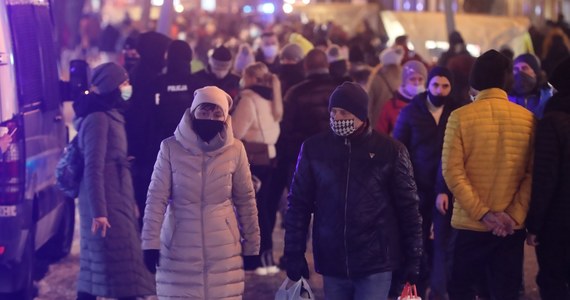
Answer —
492 93
186 136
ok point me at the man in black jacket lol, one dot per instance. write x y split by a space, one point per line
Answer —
547 222
421 128
360 186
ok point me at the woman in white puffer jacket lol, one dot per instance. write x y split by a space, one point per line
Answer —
256 121
200 214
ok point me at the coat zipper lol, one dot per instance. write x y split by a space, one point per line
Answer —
202 221
347 143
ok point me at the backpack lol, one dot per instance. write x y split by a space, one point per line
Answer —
69 169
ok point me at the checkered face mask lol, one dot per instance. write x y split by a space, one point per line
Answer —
343 127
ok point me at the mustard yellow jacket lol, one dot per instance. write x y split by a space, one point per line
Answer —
487 159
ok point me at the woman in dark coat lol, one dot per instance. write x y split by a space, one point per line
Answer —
111 262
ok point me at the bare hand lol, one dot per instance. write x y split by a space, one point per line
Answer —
508 222
100 222
442 203
275 81
532 240
494 224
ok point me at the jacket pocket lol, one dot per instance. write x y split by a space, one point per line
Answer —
234 237
168 232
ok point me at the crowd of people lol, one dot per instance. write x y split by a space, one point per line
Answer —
410 172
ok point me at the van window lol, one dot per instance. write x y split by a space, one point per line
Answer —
34 55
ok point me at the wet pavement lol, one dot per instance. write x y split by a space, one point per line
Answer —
60 280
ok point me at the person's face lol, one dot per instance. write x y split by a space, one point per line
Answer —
416 79
270 41
525 68
215 114
439 86
220 72
338 114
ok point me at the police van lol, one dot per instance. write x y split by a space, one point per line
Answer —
35 218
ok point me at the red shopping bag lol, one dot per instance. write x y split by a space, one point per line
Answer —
409 292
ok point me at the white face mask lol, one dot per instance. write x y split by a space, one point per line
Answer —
270 51
413 90
220 73
126 92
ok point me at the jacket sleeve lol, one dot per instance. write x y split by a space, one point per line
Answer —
383 124
440 185
157 199
95 130
243 117
518 208
301 205
402 131
244 202
406 201
288 124
453 168
545 174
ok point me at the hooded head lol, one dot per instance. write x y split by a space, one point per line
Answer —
244 58
151 47
179 56
107 78
491 70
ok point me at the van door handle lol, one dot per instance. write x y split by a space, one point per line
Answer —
57 118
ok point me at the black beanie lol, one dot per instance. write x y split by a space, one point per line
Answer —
179 51
490 70
222 54
560 78
440 71
351 97
531 60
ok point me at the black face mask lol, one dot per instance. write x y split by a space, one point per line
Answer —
207 129
438 101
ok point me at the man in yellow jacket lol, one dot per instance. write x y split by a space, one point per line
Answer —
487 165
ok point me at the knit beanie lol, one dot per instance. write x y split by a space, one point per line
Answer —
490 70
442 72
221 58
107 78
244 58
179 51
213 95
292 51
413 67
560 78
529 59
392 56
334 53
351 97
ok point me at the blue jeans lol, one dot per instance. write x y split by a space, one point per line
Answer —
372 287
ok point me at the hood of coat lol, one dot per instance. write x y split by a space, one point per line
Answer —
186 136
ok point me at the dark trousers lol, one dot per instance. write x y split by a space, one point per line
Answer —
266 207
553 277
480 255
442 253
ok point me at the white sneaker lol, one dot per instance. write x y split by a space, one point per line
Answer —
261 271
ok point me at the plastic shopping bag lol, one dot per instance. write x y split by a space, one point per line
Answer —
300 290
409 293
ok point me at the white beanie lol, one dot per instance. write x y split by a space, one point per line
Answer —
392 56
213 95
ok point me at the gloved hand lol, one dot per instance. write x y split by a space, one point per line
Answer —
151 259
297 266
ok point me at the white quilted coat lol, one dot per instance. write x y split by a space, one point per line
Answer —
200 211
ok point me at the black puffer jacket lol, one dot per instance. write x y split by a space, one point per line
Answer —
417 130
550 201
306 112
363 196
